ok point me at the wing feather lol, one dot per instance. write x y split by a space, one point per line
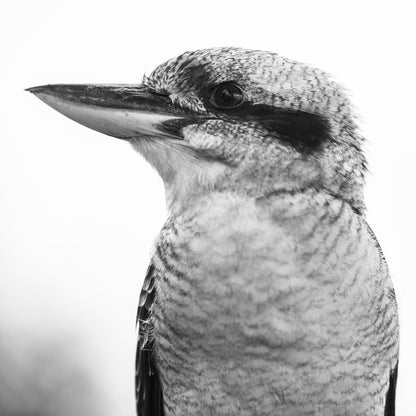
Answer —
390 407
149 396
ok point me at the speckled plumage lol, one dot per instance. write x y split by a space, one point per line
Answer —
267 308
267 294
271 296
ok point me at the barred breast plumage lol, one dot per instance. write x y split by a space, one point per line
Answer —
291 295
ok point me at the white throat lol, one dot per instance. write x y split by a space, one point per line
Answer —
185 174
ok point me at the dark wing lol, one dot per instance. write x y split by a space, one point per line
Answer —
390 406
389 410
149 396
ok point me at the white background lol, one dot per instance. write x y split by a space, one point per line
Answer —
79 211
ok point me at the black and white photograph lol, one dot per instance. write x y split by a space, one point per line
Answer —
207 208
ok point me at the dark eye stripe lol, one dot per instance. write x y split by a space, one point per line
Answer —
306 132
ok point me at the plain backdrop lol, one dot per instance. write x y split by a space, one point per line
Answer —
79 211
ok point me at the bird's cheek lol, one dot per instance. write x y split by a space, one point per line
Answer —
202 139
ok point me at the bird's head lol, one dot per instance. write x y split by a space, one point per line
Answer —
229 119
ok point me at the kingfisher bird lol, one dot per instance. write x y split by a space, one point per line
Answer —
267 293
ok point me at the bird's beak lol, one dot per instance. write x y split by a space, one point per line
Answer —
122 111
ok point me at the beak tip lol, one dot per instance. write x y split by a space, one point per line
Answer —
37 90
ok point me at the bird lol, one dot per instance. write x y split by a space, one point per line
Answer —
267 292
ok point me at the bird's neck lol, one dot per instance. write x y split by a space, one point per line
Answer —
191 188
188 176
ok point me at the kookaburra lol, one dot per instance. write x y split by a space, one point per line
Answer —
267 293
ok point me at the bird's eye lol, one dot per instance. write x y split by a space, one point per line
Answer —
227 96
